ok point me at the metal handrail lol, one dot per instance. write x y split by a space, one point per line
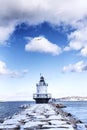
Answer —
42 95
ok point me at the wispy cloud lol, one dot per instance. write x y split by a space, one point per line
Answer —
5 33
77 67
4 71
41 44
78 41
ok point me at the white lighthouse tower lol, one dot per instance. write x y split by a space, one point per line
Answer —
41 95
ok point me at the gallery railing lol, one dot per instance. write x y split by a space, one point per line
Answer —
41 95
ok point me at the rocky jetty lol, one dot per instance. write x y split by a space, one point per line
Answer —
42 117
60 105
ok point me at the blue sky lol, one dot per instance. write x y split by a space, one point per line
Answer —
47 37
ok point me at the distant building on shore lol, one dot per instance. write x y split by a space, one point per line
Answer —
41 95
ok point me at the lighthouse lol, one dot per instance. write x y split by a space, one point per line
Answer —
41 95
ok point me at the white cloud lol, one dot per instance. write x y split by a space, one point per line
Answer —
37 11
5 33
78 41
3 68
77 67
84 51
5 71
41 44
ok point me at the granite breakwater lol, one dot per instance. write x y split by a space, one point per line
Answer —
42 116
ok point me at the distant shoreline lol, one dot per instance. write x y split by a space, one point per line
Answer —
68 98
72 98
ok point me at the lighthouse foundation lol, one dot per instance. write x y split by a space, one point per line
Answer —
42 98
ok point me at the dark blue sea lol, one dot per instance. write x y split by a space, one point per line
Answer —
10 108
77 108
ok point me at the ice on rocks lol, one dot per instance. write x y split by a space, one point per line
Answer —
10 122
81 127
9 127
37 117
34 124
60 127
53 117
57 122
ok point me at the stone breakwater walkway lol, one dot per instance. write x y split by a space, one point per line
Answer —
42 117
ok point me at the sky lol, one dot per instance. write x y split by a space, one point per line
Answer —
47 37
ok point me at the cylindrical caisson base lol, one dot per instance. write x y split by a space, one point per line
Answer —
41 100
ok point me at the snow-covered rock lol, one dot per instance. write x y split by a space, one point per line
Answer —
40 116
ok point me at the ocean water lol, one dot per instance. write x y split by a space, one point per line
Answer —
9 108
77 108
